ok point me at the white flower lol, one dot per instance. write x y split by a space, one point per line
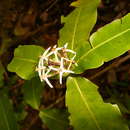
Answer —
55 61
61 70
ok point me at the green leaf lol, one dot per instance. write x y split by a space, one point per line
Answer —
2 70
32 92
21 112
78 25
107 43
55 119
87 109
7 116
25 60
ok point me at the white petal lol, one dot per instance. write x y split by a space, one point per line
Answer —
61 74
40 63
68 50
46 51
56 57
61 63
48 82
52 68
41 79
54 46
68 71
39 72
59 48
71 62
76 64
39 68
48 71
51 53
65 46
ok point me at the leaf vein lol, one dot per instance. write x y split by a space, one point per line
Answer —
108 40
75 29
87 106
25 59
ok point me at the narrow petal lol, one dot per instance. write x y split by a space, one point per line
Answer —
39 68
54 46
51 53
65 46
56 57
46 51
39 72
59 48
61 63
71 62
68 50
61 74
68 71
48 82
52 68
48 71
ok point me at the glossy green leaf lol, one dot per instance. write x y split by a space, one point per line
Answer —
107 43
78 25
7 116
55 119
87 109
25 60
32 92
2 70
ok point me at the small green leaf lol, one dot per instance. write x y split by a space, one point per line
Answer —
7 116
78 25
107 43
87 109
55 119
25 60
32 92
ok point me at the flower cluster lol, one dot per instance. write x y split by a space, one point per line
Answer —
55 61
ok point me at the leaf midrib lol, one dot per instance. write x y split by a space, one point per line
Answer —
75 28
108 40
25 59
87 105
